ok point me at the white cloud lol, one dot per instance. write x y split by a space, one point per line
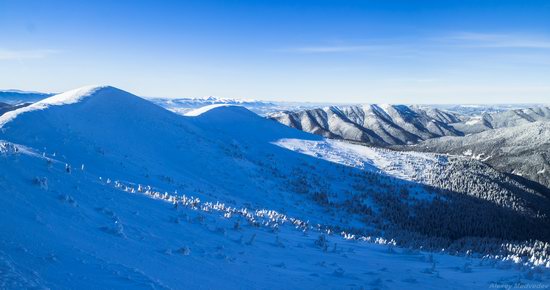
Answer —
6 55
473 39
334 48
422 45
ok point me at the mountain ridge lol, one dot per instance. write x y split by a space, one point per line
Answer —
102 183
521 150
373 124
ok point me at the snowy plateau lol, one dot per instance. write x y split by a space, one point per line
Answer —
101 189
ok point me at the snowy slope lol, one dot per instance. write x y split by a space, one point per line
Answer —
511 150
504 119
97 185
522 150
63 237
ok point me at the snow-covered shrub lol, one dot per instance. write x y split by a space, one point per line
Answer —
7 148
251 240
42 182
184 251
321 198
321 242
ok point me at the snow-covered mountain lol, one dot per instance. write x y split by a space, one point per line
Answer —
14 97
185 105
103 189
385 125
4 107
480 109
522 150
400 125
509 118
380 125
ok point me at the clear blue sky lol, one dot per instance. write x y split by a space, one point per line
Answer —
331 51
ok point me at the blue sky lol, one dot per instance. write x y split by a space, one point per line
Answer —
327 51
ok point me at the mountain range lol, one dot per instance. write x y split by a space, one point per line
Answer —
97 182
510 118
15 97
380 125
512 141
522 150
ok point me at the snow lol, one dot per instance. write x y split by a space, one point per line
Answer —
120 239
154 199
516 149
19 91
184 105
402 165
474 121
204 109
380 125
70 97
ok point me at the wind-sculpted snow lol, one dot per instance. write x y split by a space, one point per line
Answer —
102 189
